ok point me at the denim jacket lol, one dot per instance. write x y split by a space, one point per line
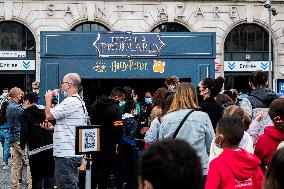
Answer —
197 130
14 113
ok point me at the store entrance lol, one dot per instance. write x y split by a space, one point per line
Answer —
22 81
94 88
239 81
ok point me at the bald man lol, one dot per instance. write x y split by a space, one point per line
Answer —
14 113
69 114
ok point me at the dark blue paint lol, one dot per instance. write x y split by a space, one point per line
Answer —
187 55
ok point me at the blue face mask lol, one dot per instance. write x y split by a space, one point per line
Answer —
148 100
65 94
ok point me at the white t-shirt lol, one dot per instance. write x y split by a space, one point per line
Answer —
68 114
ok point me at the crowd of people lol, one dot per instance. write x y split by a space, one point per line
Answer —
182 136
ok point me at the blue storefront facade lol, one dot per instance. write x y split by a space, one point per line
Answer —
126 55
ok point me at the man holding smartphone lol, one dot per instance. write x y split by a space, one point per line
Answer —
69 114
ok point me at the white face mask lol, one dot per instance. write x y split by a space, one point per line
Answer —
217 144
36 91
65 94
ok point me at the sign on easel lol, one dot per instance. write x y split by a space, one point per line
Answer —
87 139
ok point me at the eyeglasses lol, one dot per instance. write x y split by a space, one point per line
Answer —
63 82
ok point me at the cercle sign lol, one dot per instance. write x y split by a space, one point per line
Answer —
128 44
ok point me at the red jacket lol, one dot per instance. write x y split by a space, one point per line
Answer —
267 144
234 169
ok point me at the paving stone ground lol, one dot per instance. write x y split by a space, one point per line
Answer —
5 174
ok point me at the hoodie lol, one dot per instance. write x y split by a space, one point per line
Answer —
261 97
246 143
36 138
267 144
234 169
106 112
130 125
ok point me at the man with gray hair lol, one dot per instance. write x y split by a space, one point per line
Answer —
71 112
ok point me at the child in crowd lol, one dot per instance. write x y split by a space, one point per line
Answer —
274 175
152 134
130 125
273 135
169 164
235 167
246 142
128 147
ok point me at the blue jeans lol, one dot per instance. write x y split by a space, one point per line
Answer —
4 137
66 172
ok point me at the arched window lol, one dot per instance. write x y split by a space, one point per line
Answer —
247 38
90 27
170 27
15 37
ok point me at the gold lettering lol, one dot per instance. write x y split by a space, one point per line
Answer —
124 67
114 66
131 64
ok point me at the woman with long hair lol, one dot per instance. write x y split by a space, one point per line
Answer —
195 126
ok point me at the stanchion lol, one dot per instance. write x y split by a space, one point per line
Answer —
87 142
88 178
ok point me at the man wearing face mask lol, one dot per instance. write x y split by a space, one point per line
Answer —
105 111
4 96
35 87
14 113
69 114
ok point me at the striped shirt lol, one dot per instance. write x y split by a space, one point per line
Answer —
69 114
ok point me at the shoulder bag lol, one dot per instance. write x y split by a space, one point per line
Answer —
181 123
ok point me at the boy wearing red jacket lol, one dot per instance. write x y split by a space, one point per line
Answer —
235 168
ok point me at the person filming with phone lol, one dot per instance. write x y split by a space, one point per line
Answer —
69 114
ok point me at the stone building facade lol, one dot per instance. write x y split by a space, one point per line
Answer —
221 17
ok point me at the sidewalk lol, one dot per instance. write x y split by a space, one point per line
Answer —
5 174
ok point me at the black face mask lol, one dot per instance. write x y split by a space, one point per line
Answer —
20 100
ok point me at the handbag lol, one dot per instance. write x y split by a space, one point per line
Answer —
181 123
